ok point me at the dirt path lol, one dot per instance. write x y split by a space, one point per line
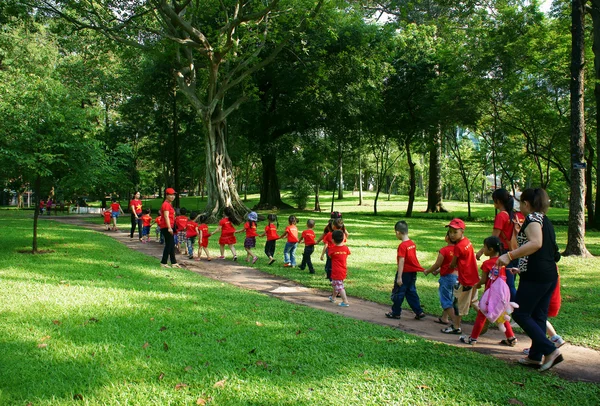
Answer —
581 364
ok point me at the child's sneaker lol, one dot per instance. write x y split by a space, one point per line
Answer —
510 342
344 304
221 257
391 315
451 330
191 257
287 265
467 340
254 260
331 299
557 340
235 258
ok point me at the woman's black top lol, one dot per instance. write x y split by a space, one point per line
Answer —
539 266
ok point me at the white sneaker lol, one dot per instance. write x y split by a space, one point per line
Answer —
557 340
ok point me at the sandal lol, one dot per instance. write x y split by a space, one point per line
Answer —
164 265
391 315
176 266
420 316
509 342
440 321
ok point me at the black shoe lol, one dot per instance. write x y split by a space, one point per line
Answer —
420 316
391 315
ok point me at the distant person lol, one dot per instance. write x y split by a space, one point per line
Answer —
203 237
107 214
272 237
227 229
191 232
42 205
49 205
405 281
308 238
291 233
116 210
157 232
167 222
249 228
146 225
448 279
135 206
338 253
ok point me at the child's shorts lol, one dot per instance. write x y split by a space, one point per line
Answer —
250 242
227 239
446 290
106 221
555 301
465 296
114 214
145 231
337 285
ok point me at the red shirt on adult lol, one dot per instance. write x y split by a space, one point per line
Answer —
190 229
181 223
292 233
137 204
309 237
339 256
448 253
271 232
487 266
466 263
115 206
166 207
408 250
227 227
250 229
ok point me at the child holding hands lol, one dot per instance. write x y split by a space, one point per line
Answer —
289 252
251 234
339 269
448 278
272 237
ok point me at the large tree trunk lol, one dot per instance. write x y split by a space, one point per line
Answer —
36 214
434 194
595 12
589 198
270 195
360 177
340 172
220 183
317 200
176 149
576 231
412 181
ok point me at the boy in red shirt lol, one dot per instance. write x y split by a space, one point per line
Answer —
406 275
289 252
339 269
308 236
468 276
448 278
107 217
146 224
180 228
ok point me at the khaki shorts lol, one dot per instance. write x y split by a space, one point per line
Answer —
465 297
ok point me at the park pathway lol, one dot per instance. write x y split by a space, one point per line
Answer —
581 364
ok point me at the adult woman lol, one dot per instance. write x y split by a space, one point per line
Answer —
166 229
537 269
135 206
504 226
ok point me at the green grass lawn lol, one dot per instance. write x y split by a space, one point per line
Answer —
96 322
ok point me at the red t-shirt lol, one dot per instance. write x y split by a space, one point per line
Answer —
487 266
226 227
339 256
137 204
166 207
146 220
181 223
250 230
292 233
190 229
115 206
204 229
309 237
328 239
408 250
448 253
107 215
271 232
466 264
158 220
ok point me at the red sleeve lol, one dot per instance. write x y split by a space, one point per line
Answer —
488 265
402 251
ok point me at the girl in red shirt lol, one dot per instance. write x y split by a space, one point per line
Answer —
115 208
227 229
272 237
203 238
251 234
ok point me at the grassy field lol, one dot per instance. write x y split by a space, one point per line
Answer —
95 322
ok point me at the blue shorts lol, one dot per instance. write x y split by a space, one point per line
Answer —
114 214
145 231
446 290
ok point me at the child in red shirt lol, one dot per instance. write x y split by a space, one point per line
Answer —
158 221
289 252
336 224
272 237
308 236
107 217
115 208
227 229
203 237
466 264
191 232
180 228
146 224
406 275
338 253
448 278
251 234
489 271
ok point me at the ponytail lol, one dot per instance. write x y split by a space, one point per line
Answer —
508 202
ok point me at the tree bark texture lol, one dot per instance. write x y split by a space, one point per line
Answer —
595 12
576 230
412 181
340 172
434 194
38 190
270 195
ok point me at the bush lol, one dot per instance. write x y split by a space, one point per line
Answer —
301 190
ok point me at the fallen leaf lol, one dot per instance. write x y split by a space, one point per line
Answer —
188 368
262 364
93 320
45 338
57 322
220 384
201 401
180 386
151 318
423 387
298 332
78 396
161 376
514 401
222 340
252 351
165 346
42 345
259 324
163 328
118 276
146 345
521 384
361 355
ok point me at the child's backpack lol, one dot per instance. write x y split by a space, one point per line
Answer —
495 302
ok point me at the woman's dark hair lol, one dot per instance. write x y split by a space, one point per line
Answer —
537 198
508 202
494 244
273 218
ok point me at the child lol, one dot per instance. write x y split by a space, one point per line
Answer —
146 224
158 235
489 272
447 280
336 224
308 237
115 208
180 228
251 234
227 229
464 261
289 252
191 232
406 275
203 237
272 237
107 218
339 256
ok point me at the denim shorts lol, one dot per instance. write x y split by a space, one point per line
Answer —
146 230
446 290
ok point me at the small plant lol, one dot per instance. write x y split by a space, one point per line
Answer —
301 190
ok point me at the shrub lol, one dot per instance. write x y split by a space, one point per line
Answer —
301 190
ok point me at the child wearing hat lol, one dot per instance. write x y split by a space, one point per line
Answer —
468 276
251 234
